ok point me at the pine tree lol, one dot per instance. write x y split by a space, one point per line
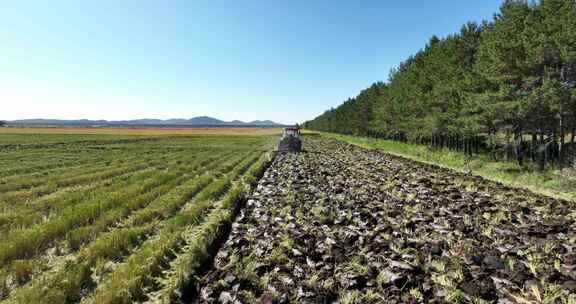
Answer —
513 76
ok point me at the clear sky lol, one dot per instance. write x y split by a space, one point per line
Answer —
282 60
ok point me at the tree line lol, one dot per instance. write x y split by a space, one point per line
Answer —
505 86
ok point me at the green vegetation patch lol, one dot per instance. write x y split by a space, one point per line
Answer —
551 181
113 219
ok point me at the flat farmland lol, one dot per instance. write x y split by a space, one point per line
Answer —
120 218
116 218
70 133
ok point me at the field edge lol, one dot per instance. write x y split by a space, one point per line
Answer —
532 181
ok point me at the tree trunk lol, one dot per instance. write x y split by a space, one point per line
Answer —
492 145
477 144
543 152
573 135
506 156
519 149
533 144
561 145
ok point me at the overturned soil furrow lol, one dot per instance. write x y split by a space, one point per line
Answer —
342 223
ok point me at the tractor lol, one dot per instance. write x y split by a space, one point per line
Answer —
290 141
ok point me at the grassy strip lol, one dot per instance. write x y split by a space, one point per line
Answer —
125 284
39 164
78 237
63 176
50 206
71 175
548 182
256 170
25 215
128 237
66 284
47 159
202 189
59 161
244 166
21 270
31 136
21 196
28 242
164 208
199 240
56 183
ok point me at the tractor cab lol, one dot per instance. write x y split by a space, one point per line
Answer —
290 140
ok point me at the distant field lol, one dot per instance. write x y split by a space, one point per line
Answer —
110 218
143 131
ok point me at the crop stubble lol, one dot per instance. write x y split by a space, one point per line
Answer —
341 223
110 220
121 220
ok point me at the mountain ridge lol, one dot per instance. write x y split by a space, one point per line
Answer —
194 121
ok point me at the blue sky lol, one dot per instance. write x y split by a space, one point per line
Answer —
282 60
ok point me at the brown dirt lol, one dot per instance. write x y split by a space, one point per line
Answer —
342 224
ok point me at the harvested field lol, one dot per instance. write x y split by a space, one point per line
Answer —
341 223
139 131
112 220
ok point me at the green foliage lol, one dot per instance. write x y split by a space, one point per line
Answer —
514 75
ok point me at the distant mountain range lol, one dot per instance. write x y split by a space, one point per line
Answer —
196 121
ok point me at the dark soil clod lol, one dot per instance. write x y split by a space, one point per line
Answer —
341 224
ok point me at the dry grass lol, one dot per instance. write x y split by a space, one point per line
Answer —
74 234
144 131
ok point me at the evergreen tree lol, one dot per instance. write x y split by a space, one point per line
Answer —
513 78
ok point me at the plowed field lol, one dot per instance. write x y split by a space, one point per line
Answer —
339 223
